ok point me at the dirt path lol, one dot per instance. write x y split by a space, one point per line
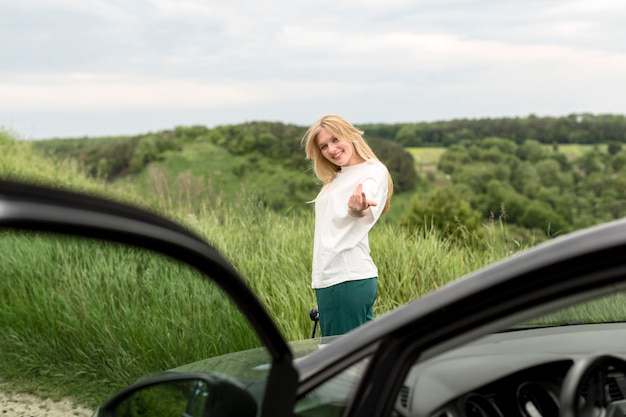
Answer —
25 405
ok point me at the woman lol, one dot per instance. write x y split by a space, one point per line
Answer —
356 190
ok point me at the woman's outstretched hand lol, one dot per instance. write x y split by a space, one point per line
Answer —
358 201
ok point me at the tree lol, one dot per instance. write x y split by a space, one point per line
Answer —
503 201
618 162
477 176
549 172
541 216
407 136
446 212
589 162
525 179
614 148
399 162
531 150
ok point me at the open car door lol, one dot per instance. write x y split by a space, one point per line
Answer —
36 212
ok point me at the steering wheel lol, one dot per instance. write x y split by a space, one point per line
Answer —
589 376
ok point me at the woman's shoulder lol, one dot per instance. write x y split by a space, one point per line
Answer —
374 165
369 167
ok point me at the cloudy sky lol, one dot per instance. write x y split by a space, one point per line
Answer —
116 67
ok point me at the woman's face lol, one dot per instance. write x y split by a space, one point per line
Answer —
336 151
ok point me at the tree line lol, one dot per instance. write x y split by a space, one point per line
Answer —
576 128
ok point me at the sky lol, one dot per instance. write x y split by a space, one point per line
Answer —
75 68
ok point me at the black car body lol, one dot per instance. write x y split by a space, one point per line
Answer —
513 338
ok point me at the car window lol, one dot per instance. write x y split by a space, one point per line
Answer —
333 396
114 313
610 308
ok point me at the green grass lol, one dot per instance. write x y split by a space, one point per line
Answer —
605 309
90 318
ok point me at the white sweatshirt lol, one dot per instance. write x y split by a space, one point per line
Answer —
341 249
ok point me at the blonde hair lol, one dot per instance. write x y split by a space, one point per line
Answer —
343 130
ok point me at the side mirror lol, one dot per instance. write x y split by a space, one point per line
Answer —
181 395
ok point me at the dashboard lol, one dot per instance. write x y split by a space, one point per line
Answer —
515 373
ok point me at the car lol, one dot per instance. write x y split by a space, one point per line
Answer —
541 333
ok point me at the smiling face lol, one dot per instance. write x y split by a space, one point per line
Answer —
335 150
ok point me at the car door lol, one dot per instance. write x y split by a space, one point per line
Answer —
551 276
27 207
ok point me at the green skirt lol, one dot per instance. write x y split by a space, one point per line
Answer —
345 306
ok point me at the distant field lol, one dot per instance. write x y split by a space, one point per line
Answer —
427 158
575 151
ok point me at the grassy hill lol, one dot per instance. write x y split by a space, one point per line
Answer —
194 166
200 174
